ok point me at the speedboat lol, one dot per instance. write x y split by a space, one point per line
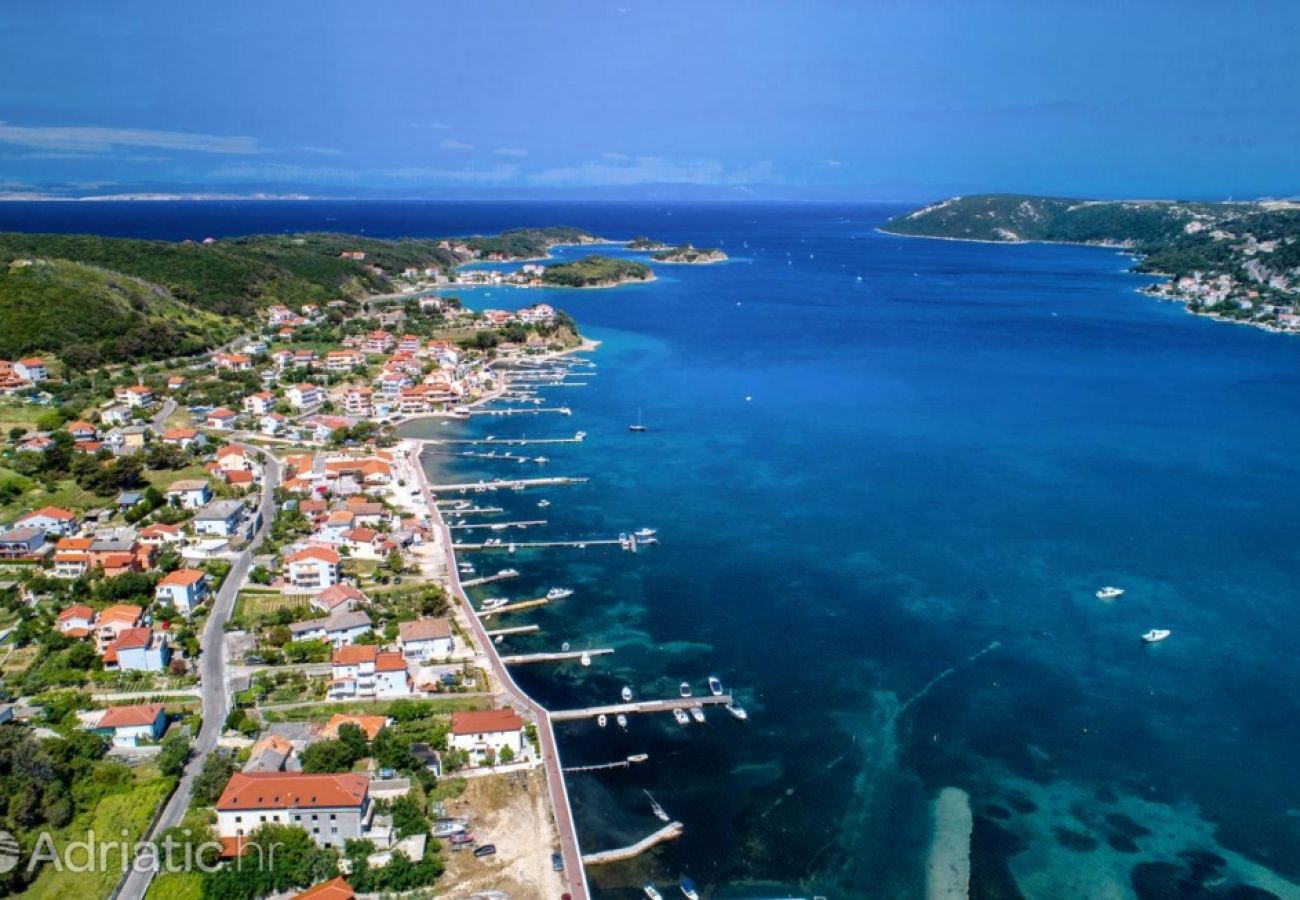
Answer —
656 808
697 713
580 435
688 889
542 504
508 573
621 720
558 593
602 720
652 893
638 757
626 694
585 659
511 549
1110 593
493 603
681 717
499 639
645 532
684 689
737 711
541 460
715 686
1155 635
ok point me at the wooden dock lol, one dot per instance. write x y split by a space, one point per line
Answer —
621 764
524 659
644 706
500 526
488 579
512 607
518 629
504 484
669 832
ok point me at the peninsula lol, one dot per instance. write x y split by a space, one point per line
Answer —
1237 262
596 271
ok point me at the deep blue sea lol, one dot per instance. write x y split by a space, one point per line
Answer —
869 459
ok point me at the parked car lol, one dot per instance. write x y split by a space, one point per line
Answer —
557 862
485 850
463 838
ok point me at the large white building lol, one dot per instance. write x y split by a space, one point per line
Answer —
331 808
425 639
363 672
481 731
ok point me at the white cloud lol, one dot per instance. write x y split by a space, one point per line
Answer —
452 144
89 139
510 151
651 169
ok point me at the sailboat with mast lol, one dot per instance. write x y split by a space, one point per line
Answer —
638 426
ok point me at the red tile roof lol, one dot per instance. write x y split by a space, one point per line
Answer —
77 611
128 716
183 577
355 654
485 721
334 889
296 790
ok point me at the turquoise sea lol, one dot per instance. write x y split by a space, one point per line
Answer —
888 476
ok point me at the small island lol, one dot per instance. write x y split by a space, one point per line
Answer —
596 271
689 255
641 242
1237 262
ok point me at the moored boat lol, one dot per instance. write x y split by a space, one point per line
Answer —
697 713
621 720
737 711
652 893
684 689
602 720
681 717
558 593
1155 635
638 757
656 808
626 694
715 686
493 603
1109 593
585 659
688 889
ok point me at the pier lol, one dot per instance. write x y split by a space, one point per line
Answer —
518 629
500 526
527 545
505 442
621 764
669 832
500 483
512 607
524 659
522 411
644 706
503 575
473 511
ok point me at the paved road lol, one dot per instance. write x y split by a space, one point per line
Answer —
159 421
574 873
212 670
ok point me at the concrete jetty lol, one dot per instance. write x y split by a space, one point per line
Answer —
512 607
518 629
488 579
643 706
521 411
523 659
499 526
503 483
669 832
503 442
533 545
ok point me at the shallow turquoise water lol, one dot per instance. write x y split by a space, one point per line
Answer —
957 450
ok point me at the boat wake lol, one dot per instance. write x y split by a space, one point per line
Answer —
929 685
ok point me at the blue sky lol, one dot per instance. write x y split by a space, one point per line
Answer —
892 100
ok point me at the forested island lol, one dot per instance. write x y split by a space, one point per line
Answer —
96 300
596 271
641 242
1234 261
688 254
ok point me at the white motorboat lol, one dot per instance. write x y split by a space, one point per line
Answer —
688 889
656 808
715 686
681 717
638 757
585 659
621 720
580 435
737 711
499 639
542 504
508 573
565 646
684 689
1109 593
1155 635
645 532
541 460
652 893
602 720
697 713
558 593
626 694
493 603
510 549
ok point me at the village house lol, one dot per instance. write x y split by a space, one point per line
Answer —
357 401
365 543
363 671
159 533
259 404
220 518
424 639
184 589
314 568
32 368
279 314
76 621
82 431
331 808
338 629
138 650
485 733
342 597
50 519
221 419
189 493
343 360
233 362
115 620
115 415
378 342
127 726
319 428
134 395
233 458
176 382
370 725
302 396
22 543
272 423
183 437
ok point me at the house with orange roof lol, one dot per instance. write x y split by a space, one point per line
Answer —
75 621
32 368
183 437
176 382
366 543
259 404
423 639
302 396
233 458
127 726
271 753
331 808
343 360
314 568
50 519
484 733
221 419
115 620
138 650
378 342
81 431
183 589
334 889
233 362
341 597
134 395
363 671
72 557
159 533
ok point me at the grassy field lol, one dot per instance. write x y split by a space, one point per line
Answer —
129 812
253 606
22 415
163 478
441 705
176 886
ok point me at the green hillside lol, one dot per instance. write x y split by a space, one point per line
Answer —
596 271
89 315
